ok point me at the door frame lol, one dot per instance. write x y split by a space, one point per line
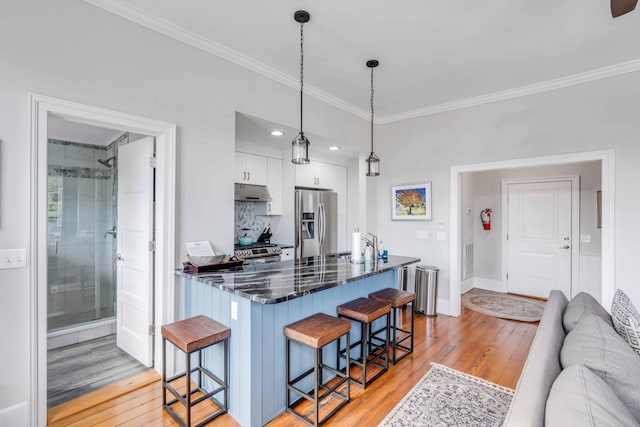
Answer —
606 157
575 224
165 134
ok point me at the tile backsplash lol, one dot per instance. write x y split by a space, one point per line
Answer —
250 215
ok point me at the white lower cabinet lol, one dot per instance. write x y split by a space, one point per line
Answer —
287 254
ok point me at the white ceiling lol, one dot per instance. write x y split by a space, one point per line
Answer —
434 55
67 130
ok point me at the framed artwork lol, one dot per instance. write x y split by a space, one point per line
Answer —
411 202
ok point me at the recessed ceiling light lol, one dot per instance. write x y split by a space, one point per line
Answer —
334 148
277 133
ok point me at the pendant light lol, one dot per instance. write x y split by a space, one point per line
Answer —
300 144
373 161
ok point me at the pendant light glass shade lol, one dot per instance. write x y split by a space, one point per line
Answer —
300 144
300 150
373 161
373 165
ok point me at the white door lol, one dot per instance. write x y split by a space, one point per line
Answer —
135 260
539 238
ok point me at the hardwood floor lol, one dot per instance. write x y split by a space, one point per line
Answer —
491 348
78 369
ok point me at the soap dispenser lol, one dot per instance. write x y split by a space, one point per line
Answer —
368 253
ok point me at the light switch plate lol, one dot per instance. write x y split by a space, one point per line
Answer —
13 258
422 234
442 235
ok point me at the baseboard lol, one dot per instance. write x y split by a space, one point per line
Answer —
443 306
15 415
488 284
466 284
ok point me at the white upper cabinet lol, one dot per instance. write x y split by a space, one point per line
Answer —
315 175
250 169
274 185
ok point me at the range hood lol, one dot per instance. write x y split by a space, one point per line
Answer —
251 193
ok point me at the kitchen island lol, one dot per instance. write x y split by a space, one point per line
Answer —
256 301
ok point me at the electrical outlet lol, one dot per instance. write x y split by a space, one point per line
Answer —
422 234
13 258
234 310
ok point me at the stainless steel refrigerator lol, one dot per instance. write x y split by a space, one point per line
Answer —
316 216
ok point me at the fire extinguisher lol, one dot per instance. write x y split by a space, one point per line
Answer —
485 217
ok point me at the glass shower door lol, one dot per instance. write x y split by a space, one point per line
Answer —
81 285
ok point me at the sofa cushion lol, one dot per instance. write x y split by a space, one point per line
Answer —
579 397
541 368
580 306
596 345
626 319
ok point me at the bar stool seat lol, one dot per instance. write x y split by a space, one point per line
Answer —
396 299
195 335
366 311
317 331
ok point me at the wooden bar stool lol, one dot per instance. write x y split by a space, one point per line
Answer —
317 331
365 311
396 299
194 335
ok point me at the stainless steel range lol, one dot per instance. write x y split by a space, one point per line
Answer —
258 252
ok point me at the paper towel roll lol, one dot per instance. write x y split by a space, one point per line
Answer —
356 249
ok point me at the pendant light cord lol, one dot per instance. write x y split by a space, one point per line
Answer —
372 109
301 70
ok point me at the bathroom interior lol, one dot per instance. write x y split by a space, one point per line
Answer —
81 271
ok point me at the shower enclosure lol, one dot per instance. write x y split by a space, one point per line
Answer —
81 238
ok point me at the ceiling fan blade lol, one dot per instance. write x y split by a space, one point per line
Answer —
620 7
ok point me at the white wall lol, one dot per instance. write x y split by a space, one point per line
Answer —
488 194
71 50
587 117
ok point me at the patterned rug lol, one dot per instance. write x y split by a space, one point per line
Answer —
506 306
446 397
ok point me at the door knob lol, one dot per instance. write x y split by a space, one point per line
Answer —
565 247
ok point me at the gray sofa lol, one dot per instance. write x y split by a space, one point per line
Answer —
579 371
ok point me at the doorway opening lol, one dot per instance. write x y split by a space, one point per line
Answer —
76 214
460 212
86 349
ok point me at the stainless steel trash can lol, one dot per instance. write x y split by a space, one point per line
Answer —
402 273
426 290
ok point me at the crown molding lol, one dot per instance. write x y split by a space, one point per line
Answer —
155 23
576 79
141 17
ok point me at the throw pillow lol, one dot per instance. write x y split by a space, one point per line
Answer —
579 397
596 345
580 306
626 319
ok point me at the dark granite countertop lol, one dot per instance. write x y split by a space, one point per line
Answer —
271 283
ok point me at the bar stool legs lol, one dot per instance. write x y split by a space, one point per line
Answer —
397 299
316 332
195 335
366 311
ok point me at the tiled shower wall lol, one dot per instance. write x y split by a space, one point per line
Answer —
81 208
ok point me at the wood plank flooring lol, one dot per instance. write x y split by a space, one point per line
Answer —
491 348
78 369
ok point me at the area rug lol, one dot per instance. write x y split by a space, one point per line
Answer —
506 306
446 397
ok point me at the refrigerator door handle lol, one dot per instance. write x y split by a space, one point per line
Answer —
324 227
298 222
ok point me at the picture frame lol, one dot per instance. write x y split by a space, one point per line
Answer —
411 202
